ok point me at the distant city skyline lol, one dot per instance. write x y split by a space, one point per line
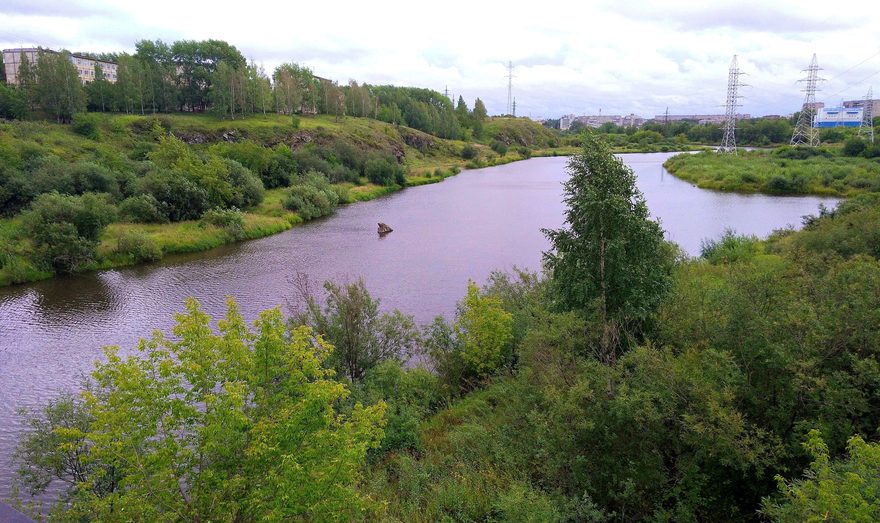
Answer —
569 57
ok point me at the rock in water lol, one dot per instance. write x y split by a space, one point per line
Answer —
384 229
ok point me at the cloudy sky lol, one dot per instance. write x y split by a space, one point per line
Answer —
569 57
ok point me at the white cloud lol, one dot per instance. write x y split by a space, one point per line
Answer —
621 56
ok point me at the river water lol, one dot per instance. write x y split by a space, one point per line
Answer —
444 234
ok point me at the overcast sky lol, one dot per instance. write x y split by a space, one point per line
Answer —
569 57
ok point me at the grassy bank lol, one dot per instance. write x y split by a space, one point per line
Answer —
780 171
121 143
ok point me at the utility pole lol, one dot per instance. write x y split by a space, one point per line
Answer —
867 126
728 144
509 87
804 132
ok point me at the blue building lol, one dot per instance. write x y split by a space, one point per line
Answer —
838 117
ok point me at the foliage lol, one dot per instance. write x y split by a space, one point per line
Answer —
469 152
230 220
730 248
238 425
485 330
499 147
143 208
86 125
13 103
58 87
350 319
384 170
838 490
65 229
312 198
611 262
137 247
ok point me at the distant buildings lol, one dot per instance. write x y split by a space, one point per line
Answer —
875 105
630 120
85 66
699 118
838 117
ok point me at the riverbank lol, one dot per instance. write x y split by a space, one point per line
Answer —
782 171
111 155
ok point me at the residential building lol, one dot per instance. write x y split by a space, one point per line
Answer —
85 66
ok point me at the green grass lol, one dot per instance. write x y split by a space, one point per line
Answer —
770 173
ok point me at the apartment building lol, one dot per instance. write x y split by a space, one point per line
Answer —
85 66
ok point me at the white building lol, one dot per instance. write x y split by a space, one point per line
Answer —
85 66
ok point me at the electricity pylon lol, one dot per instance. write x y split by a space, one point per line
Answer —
805 132
728 144
867 126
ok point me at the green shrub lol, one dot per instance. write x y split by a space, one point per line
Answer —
230 220
312 198
143 208
854 147
140 151
138 247
384 170
294 121
469 152
499 147
65 229
86 124
730 248
525 152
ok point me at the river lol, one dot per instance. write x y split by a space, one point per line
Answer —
444 234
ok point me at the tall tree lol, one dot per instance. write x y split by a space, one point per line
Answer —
58 86
479 115
27 81
610 262
98 91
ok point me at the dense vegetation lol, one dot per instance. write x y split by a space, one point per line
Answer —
628 383
846 170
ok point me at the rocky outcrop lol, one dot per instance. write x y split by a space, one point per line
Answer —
384 228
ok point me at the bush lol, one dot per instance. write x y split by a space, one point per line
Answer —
247 189
499 147
525 152
384 170
730 248
294 121
854 147
312 198
86 124
65 229
143 208
140 151
138 247
469 152
230 220
180 198
12 102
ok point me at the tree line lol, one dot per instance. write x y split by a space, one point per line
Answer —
213 76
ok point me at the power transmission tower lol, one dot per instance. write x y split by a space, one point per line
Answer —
805 132
514 108
509 87
728 144
867 126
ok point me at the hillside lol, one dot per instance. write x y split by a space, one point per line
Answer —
160 174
